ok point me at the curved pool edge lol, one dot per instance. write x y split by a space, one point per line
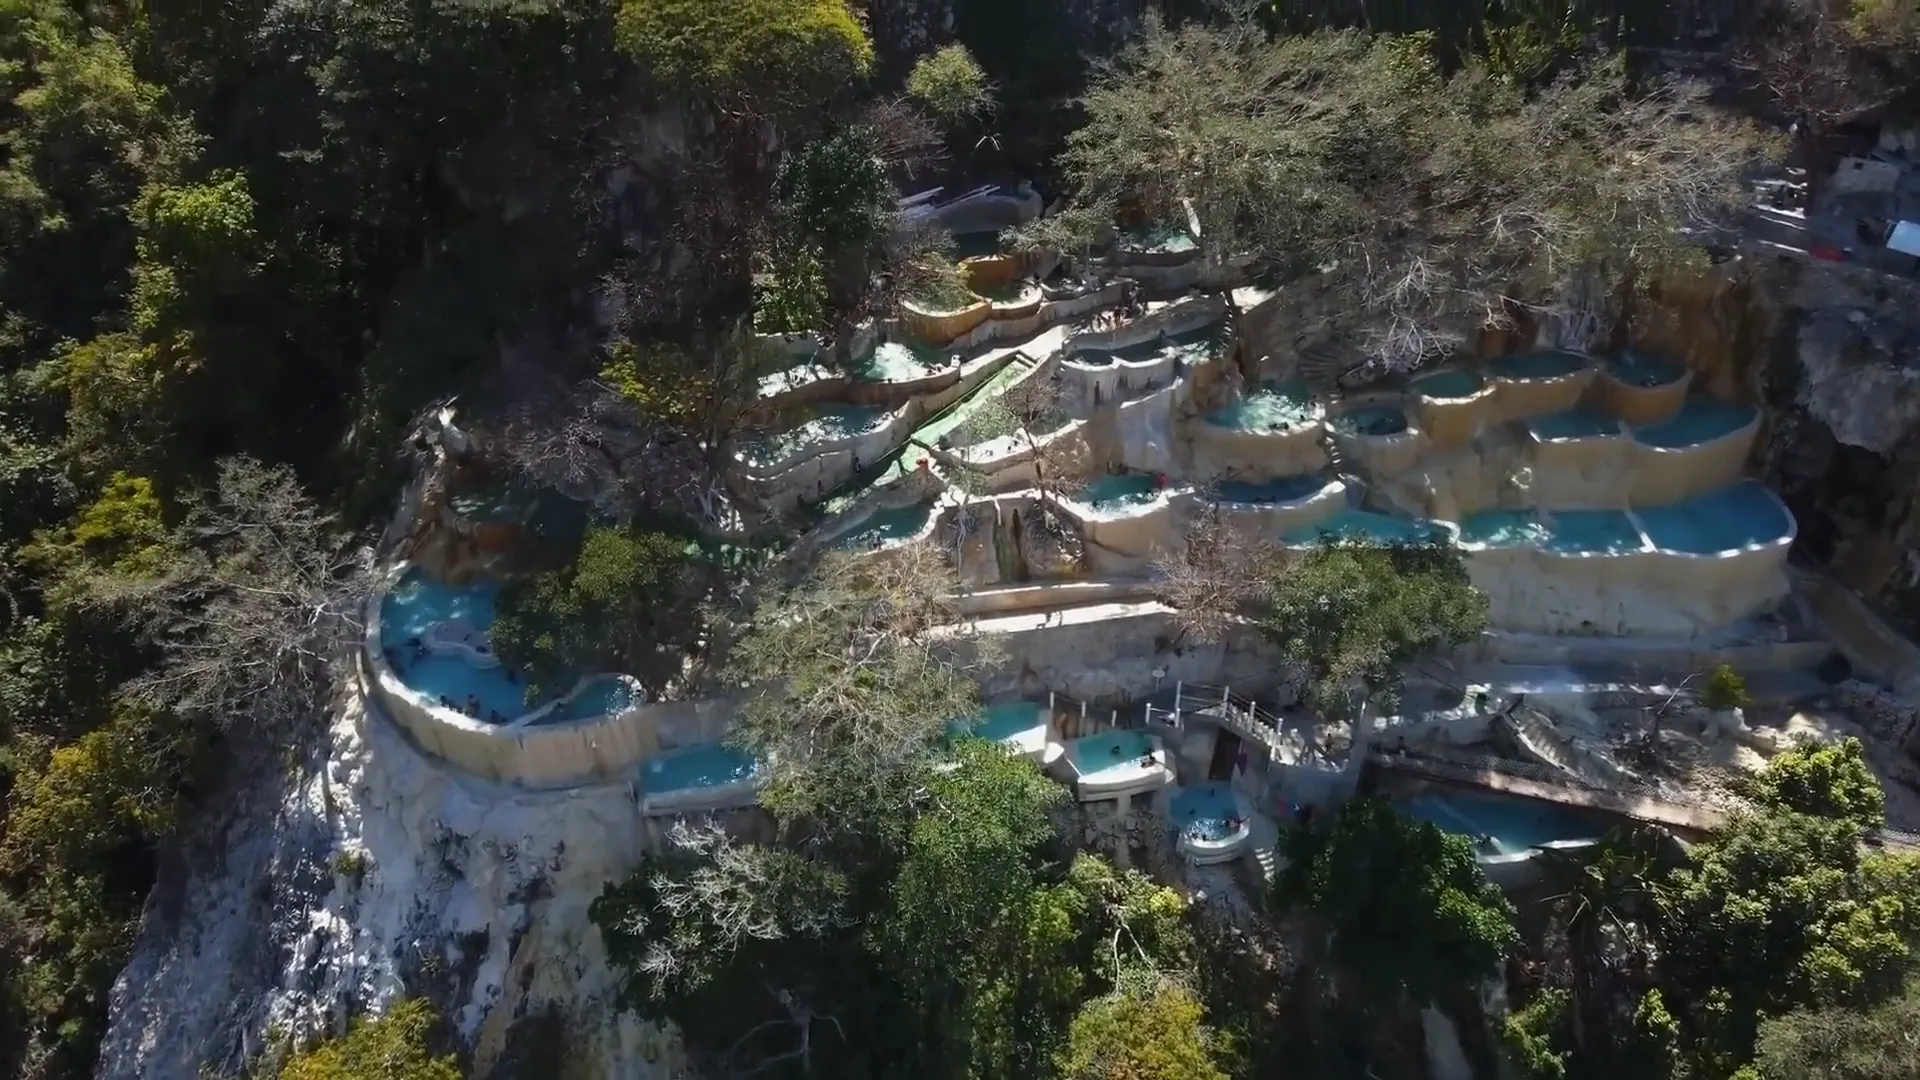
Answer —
1670 474
1226 849
710 798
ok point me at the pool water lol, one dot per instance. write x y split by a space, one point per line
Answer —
1591 532
885 526
416 603
1573 424
971 245
1163 237
828 423
899 361
1201 812
1372 420
1538 365
1639 369
603 696
1448 385
1270 407
1119 491
1094 754
1700 419
706 765
1503 528
1281 490
1191 347
1000 721
1368 527
1726 520
1516 826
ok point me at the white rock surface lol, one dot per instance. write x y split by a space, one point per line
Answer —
465 889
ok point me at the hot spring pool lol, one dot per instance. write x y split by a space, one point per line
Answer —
1375 420
1730 519
1503 528
885 526
1448 385
1112 753
1368 527
1515 826
1001 721
899 361
1591 532
829 423
1573 424
1166 237
1119 491
1271 407
1201 812
1639 369
1700 420
1537 365
409 612
704 766
1284 489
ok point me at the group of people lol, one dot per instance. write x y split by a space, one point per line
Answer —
417 651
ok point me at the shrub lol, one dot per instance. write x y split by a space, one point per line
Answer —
388 1047
795 52
950 84
1725 689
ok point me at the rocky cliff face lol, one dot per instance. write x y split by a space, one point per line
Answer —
373 875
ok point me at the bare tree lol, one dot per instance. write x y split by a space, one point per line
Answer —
1214 577
1024 416
266 598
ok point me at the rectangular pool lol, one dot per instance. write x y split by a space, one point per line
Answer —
885 526
1110 751
1507 825
1591 532
1284 489
706 765
1503 528
1369 527
1119 491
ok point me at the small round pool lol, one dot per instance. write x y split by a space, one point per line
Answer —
1552 364
1639 369
1700 420
1450 385
1372 420
1734 518
1283 489
1573 424
1202 811
1119 491
899 361
1271 407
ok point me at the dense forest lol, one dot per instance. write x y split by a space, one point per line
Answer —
247 246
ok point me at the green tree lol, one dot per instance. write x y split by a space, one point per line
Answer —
1356 613
949 84
790 55
1412 917
1725 689
391 1046
1840 1043
627 595
1527 1037
1831 781
1156 1035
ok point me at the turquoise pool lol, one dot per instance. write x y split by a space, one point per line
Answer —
899 361
1639 369
1191 347
1367 526
1119 491
884 526
1730 519
1537 365
1573 424
1281 490
829 423
1094 754
602 696
1372 420
1269 407
413 606
1448 385
706 765
1503 528
1165 237
1513 825
1591 532
1201 812
1700 419
1000 721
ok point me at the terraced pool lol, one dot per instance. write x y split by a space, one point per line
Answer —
1270 407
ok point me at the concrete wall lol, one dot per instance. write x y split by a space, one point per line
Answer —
1661 475
1263 522
1518 399
1640 405
1114 656
1217 452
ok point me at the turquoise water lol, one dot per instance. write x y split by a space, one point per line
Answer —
414 604
1700 419
1280 490
1369 527
602 696
883 526
899 361
1193 347
1201 812
1118 491
968 245
827 424
1639 369
1538 365
1448 385
1372 420
1000 721
706 765
1503 528
1515 825
1269 407
1094 754
1591 532
1165 236
1573 424
1726 520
